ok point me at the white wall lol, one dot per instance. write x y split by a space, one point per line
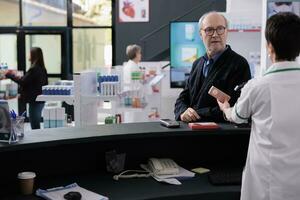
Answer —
245 43
244 12
244 5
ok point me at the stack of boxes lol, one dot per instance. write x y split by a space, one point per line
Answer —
54 117
62 87
109 85
57 90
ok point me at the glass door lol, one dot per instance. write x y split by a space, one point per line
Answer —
8 61
51 45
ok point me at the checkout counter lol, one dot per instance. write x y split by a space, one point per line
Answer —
63 156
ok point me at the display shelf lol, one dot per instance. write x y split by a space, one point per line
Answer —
104 110
244 30
69 99
99 97
130 109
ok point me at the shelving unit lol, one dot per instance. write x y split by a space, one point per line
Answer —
69 99
86 100
12 100
244 30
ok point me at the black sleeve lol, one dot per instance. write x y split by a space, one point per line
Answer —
26 79
183 101
240 73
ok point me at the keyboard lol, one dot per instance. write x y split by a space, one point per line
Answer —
225 177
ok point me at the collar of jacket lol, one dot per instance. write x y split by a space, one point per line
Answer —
283 67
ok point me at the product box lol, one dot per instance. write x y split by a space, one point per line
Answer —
203 125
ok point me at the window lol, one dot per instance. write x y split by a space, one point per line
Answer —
45 24
92 12
92 48
44 12
51 47
8 50
9 13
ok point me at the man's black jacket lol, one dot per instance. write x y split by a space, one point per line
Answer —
228 71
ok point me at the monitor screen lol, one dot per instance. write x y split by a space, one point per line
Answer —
185 47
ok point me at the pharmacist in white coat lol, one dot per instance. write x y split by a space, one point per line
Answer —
134 54
272 170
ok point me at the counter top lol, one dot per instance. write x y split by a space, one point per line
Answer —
57 136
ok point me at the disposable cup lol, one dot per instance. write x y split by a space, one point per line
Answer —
26 181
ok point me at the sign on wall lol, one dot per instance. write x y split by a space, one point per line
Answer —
133 10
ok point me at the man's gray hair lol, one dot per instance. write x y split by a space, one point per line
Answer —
203 17
131 50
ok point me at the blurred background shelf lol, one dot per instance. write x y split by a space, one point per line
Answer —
244 30
69 99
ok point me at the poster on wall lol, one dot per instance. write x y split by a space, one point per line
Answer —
133 10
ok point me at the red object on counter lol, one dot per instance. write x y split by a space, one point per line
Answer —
203 125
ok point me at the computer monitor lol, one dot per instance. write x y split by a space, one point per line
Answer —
185 47
276 6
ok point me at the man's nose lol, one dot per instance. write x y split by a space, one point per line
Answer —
215 34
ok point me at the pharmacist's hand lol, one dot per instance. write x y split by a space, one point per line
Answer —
224 105
189 115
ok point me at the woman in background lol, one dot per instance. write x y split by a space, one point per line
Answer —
31 85
134 54
273 103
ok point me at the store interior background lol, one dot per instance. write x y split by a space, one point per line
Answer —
84 44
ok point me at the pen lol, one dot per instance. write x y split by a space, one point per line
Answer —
23 114
13 114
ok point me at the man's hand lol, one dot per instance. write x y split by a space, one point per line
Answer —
189 115
224 105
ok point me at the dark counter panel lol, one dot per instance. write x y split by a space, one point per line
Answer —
68 152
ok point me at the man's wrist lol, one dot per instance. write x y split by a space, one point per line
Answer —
227 114
181 116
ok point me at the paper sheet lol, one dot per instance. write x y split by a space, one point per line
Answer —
58 193
183 173
201 170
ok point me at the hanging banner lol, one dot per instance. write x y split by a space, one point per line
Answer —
133 10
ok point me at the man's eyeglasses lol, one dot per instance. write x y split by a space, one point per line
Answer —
210 31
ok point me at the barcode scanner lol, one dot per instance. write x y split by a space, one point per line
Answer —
72 196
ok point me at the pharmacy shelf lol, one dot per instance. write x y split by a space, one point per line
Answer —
69 99
244 30
93 97
130 109
121 109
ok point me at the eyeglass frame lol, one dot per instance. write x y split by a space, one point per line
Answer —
214 30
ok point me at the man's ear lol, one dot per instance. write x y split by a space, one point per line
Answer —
200 34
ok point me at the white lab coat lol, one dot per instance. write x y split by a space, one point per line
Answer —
272 170
129 67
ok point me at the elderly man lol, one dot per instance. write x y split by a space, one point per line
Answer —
220 67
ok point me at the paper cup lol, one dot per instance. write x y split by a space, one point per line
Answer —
26 180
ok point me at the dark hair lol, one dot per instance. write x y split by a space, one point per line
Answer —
37 58
283 33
